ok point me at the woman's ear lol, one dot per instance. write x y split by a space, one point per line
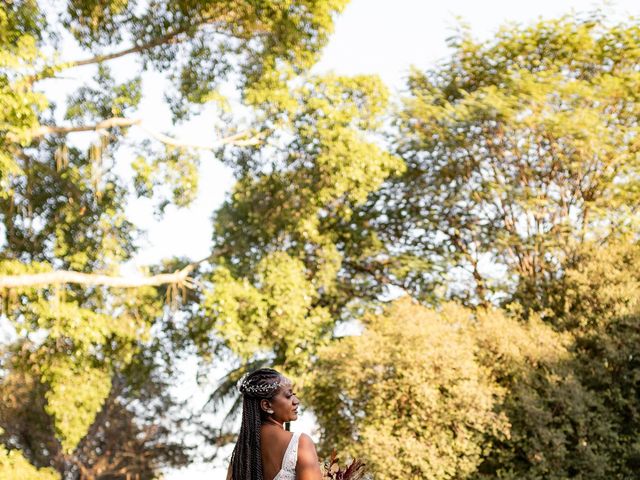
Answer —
265 405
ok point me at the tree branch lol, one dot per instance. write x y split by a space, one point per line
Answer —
167 38
171 37
240 139
179 277
103 125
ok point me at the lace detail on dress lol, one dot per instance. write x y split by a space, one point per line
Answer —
288 469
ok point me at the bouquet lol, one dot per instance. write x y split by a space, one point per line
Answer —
332 470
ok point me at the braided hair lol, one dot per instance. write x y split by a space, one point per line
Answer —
246 460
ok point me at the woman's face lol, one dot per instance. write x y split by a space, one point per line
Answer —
285 403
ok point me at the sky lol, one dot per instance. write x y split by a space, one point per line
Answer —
381 37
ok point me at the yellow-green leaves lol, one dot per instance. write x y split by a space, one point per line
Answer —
322 161
454 393
19 104
408 395
13 466
87 329
77 391
275 314
519 148
81 348
350 167
285 228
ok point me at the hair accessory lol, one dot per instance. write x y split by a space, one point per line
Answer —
262 389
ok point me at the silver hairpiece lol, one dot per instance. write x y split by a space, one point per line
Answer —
263 389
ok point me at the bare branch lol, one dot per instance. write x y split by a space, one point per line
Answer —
179 277
240 139
104 125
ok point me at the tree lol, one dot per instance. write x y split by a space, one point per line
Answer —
520 152
65 231
560 427
596 300
517 150
493 172
291 258
137 428
249 41
457 393
407 396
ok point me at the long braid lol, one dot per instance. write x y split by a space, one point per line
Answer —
246 460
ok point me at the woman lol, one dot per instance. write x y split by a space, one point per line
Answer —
265 450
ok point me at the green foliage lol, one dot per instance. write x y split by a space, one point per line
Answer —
217 42
596 300
608 363
78 357
20 29
76 394
136 425
517 149
461 394
283 230
299 193
276 317
559 426
287 235
13 466
408 396
64 207
598 284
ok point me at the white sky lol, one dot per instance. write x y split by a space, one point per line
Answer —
383 37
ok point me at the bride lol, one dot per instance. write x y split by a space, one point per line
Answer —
265 450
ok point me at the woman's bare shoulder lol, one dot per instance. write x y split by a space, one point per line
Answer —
307 467
306 441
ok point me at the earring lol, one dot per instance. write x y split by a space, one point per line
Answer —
269 412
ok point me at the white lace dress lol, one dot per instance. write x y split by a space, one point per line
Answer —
288 469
